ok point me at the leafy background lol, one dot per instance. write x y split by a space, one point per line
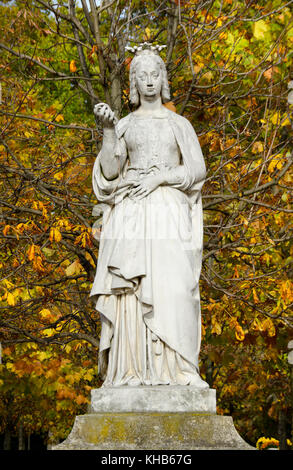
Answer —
229 65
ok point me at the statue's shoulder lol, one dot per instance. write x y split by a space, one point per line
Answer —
181 121
123 124
125 119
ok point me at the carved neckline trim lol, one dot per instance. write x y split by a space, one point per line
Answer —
151 116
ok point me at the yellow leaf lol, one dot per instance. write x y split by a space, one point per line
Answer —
15 263
216 328
90 259
58 176
42 355
147 33
89 375
197 68
38 265
268 73
48 251
279 165
208 76
7 283
10 299
239 333
275 117
59 118
285 121
74 268
257 147
45 313
259 29
28 134
268 326
252 388
72 66
255 325
48 332
83 239
255 297
275 163
55 235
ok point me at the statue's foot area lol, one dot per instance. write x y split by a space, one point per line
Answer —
194 381
198 382
134 382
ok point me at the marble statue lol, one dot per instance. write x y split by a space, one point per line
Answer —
147 179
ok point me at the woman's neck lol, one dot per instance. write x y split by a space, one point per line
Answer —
151 107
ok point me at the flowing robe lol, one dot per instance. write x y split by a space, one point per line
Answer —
148 269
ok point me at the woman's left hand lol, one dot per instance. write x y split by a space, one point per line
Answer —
145 186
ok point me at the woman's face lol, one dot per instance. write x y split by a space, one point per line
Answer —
148 78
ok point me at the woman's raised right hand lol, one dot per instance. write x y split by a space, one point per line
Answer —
105 114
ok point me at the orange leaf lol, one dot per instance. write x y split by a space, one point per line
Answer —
72 66
128 62
239 333
80 399
31 252
170 105
6 230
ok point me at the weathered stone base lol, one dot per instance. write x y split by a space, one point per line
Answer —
161 398
153 431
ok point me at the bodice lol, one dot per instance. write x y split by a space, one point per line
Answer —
151 143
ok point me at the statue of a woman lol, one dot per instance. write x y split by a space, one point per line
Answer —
148 177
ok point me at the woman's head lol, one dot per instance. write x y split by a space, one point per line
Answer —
148 76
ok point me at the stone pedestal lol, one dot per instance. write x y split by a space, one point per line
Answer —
153 418
153 399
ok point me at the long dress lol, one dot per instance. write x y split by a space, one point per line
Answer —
150 258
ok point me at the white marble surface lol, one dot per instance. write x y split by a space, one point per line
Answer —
148 178
162 398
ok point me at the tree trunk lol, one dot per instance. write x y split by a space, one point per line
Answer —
21 443
116 100
7 440
209 372
282 431
291 402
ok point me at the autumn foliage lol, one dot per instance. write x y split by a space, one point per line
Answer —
229 69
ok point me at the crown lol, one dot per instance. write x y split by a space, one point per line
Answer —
145 46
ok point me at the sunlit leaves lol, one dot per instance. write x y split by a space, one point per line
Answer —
260 28
257 147
44 388
55 235
72 66
10 299
74 268
275 163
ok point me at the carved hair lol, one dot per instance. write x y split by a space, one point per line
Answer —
165 91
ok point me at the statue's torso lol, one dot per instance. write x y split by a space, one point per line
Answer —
150 141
